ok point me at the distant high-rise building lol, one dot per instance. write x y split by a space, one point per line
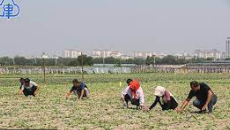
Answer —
208 54
72 53
142 54
106 54
227 52
184 56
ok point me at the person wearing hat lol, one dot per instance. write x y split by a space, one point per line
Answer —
134 93
29 88
164 98
79 89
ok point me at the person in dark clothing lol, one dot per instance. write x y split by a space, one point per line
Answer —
205 97
168 101
79 89
29 88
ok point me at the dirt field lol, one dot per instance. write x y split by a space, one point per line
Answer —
103 110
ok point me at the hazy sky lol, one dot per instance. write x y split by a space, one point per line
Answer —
168 26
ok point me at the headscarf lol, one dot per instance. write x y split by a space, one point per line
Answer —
134 86
160 91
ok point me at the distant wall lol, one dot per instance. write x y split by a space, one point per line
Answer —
64 70
188 68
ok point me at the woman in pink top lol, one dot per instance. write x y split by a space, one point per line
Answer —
168 102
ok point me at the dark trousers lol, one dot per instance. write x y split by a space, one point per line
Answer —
199 104
30 92
133 101
86 93
170 105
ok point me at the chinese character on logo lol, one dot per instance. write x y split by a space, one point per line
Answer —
9 9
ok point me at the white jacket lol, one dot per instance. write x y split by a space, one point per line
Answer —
139 94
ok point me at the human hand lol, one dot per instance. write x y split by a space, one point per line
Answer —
204 108
179 110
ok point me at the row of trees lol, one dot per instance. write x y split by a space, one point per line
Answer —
173 60
89 61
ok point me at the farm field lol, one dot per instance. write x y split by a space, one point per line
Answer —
103 110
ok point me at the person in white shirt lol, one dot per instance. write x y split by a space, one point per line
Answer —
126 94
29 88
133 93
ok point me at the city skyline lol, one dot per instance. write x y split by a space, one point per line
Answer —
60 52
98 53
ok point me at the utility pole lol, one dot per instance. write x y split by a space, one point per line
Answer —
44 56
154 60
104 59
82 66
44 71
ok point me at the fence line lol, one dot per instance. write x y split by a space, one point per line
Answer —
64 70
187 68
